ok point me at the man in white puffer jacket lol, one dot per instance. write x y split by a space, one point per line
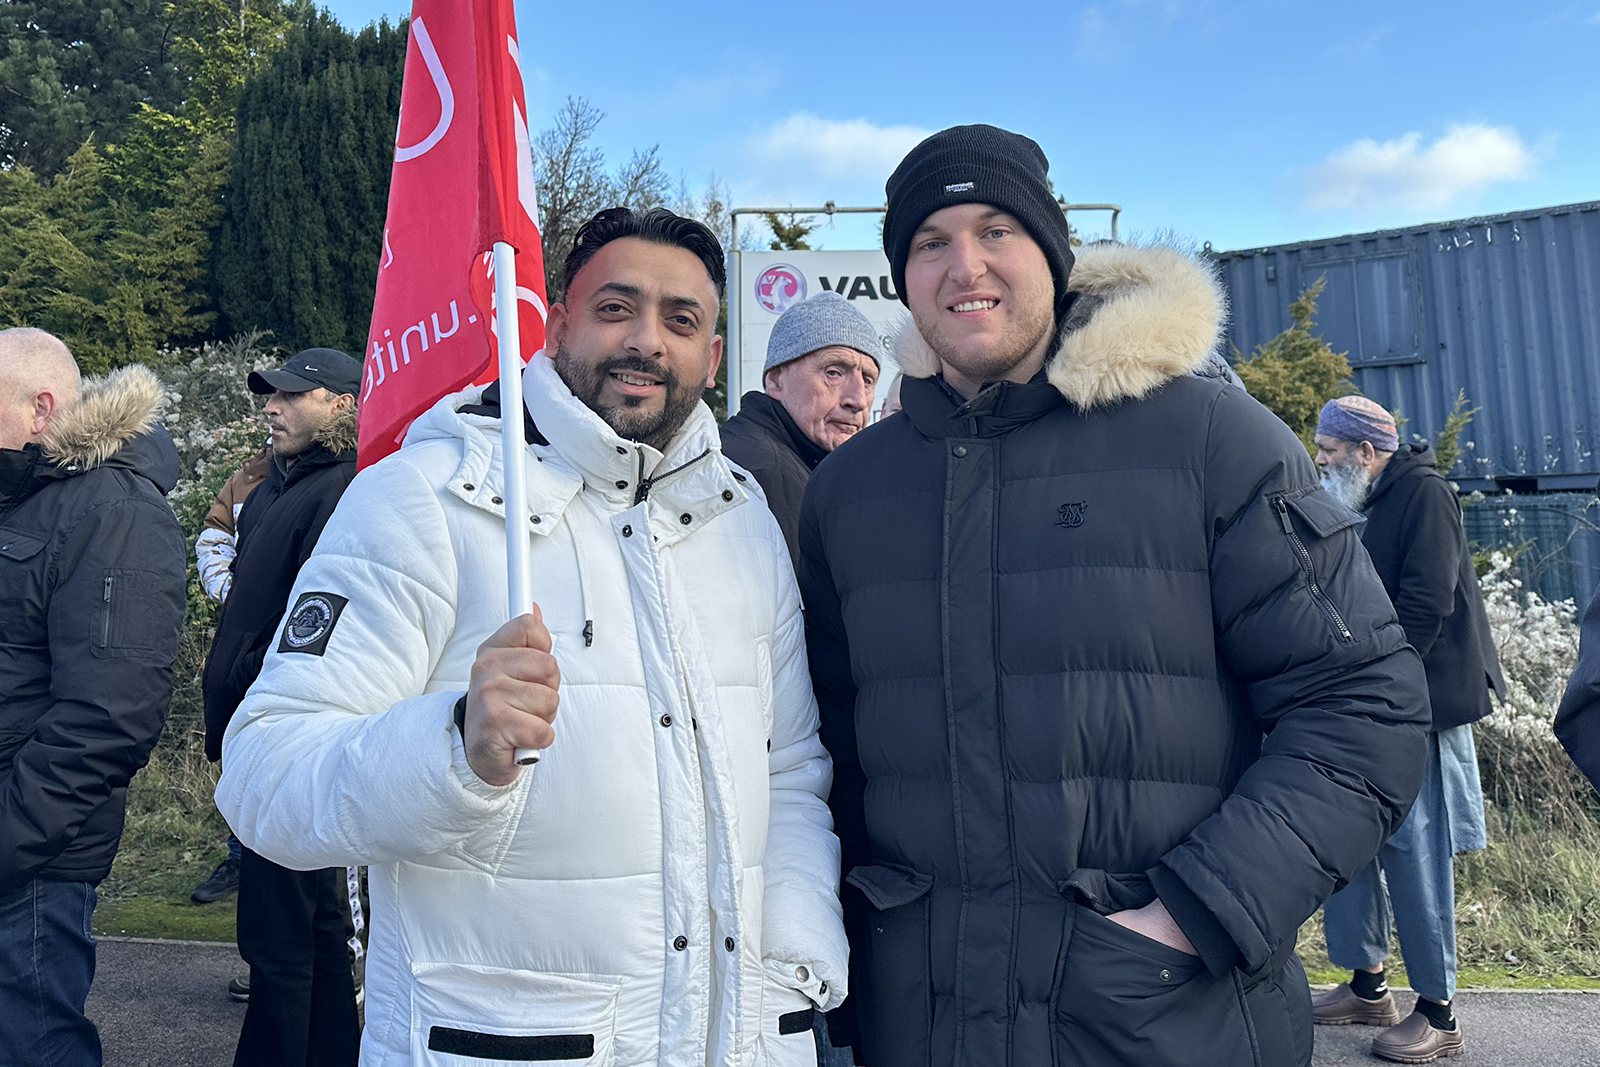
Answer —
653 890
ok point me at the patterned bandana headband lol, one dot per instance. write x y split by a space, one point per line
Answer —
1355 418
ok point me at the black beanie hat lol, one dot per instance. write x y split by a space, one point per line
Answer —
975 165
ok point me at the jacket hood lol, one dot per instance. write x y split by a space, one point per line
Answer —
1156 313
1405 459
338 435
110 412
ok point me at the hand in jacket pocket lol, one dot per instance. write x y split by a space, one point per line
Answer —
1155 922
511 702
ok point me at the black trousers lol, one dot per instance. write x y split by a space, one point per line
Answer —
292 929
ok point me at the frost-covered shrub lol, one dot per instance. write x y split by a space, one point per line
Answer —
1524 767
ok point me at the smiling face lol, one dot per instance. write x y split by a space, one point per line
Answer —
981 294
634 338
828 393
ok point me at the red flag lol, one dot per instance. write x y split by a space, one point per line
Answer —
462 179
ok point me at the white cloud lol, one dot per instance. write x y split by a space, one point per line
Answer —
1109 32
1406 173
808 157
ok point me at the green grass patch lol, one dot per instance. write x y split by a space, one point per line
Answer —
1527 911
172 840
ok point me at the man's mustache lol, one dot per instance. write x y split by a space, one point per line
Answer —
631 362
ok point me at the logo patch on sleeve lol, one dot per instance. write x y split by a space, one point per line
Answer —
311 623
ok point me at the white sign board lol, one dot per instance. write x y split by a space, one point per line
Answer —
763 285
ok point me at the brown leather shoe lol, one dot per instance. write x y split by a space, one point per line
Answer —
1418 1041
1340 1006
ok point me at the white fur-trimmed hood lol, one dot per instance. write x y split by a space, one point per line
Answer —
1160 315
110 411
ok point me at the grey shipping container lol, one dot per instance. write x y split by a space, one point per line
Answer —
1503 307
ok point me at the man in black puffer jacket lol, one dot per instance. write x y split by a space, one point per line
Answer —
292 924
1114 697
91 601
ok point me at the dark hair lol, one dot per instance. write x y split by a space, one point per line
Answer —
659 226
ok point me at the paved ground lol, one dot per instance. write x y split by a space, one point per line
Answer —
165 1004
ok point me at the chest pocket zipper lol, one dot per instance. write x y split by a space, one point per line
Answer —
1303 555
105 616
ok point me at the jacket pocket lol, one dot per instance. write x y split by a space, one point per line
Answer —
1125 998
465 1015
787 1015
129 622
1322 516
897 1011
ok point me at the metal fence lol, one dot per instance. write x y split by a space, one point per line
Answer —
1559 534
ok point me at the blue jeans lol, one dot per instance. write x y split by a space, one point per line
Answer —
1411 887
46 965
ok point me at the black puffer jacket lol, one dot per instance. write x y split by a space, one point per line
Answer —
1578 718
278 527
1419 548
764 440
1079 643
91 601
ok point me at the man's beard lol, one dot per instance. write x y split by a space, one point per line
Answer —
1349 481
1010 349
655 429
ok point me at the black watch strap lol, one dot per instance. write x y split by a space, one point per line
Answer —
461 716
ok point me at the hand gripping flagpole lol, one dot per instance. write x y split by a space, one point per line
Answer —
513 448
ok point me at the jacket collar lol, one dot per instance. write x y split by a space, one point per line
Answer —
1157 314
1406 458
772 416
939 412
575 451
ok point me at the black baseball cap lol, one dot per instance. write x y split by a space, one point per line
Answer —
327 368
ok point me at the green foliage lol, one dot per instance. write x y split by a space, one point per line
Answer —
1297 372
789 231
299 243
110 254
1447 446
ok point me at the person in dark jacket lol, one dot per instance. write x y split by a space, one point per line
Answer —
93 587
1578 718
292 925
1419 548
823 361
1114 697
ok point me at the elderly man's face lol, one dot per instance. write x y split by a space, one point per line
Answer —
828 393
635 337
1347 468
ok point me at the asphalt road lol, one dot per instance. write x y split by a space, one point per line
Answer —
165 1004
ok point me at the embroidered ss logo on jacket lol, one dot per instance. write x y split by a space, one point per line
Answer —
1071 515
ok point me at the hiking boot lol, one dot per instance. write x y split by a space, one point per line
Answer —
239 988
1340 1006
1418 1041
223 882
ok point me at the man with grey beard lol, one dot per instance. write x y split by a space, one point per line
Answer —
1419 548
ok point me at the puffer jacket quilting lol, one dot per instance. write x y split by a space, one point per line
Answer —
1084 641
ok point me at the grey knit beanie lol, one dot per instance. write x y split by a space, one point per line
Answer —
825 320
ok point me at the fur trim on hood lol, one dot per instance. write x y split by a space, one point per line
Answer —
1159 314
339 434
111 411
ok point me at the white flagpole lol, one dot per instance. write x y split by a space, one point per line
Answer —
513 447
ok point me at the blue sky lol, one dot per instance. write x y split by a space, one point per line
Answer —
1243 124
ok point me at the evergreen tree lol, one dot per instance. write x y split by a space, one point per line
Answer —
789 231
302 230
1297 372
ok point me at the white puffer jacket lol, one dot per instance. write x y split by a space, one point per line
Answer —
661 887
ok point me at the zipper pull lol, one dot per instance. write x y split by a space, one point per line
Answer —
1283 514
107 597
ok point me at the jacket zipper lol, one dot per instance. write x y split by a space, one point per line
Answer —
643 492
105 620
1306 565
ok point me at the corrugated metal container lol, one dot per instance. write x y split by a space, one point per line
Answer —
1504 307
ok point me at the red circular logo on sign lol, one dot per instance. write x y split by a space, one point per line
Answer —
779 287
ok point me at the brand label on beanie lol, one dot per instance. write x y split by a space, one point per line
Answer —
961 187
